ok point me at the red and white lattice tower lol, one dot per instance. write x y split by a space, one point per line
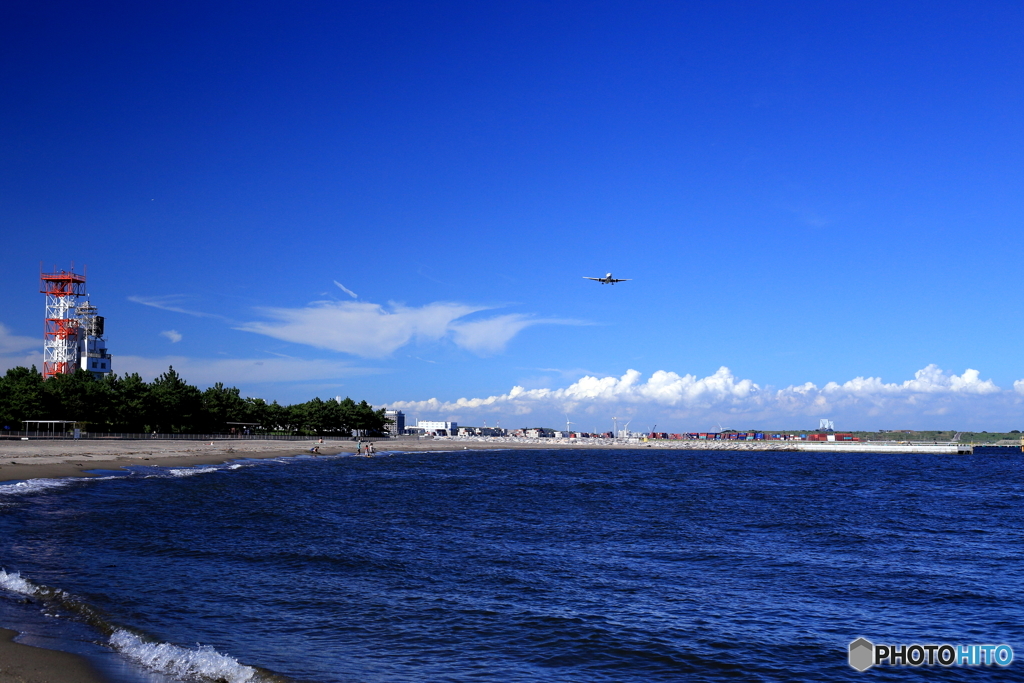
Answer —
60 329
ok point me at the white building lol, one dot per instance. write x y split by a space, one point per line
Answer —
428 426
92 347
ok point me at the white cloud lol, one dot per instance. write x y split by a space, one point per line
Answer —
170 303
373 331
491 335
346 290
13 343
18 350
694 402
204 371
663 388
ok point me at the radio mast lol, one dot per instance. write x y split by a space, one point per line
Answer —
72 332
60 327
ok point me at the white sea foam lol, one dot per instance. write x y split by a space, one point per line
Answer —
192 471
32 486
16 584
202 662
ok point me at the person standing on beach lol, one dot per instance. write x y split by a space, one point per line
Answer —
359 447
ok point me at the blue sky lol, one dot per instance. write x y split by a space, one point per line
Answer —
398 201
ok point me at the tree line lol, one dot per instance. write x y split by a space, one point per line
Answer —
169 404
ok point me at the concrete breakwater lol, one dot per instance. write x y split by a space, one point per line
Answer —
819 446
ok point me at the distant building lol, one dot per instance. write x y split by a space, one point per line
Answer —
397 425
428 426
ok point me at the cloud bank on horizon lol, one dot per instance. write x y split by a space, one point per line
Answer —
694 403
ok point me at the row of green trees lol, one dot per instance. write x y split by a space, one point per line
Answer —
169 404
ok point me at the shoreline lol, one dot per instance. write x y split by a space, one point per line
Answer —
45 459
21 663
62 459
59 459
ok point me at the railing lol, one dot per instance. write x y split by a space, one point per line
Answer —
101 436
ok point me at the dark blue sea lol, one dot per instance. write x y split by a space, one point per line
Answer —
544 565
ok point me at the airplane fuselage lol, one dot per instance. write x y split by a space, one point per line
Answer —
606 280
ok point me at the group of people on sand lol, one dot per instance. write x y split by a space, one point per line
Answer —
367 450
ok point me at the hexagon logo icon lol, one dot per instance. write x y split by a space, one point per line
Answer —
862 654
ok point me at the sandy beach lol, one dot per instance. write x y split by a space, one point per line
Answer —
21 460
25 664
43 458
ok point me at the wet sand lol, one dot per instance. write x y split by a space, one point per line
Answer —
52 459
21 460
25 664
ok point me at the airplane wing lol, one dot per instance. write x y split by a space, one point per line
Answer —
622 280
592 278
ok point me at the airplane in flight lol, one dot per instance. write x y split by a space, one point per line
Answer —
607 279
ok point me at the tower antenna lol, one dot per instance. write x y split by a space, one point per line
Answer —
60 324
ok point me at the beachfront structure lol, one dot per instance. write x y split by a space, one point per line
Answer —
397 425
72 333
429 426
92 347
60 325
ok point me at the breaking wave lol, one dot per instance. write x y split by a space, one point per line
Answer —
201 662
14 583
21 488
192 471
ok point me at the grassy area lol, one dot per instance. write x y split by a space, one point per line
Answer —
965 437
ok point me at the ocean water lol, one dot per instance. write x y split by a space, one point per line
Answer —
646 565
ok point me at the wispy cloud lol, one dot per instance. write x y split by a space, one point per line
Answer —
931 395
374 331
171 303
346 290
491 335
173 335
19 350
13 343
